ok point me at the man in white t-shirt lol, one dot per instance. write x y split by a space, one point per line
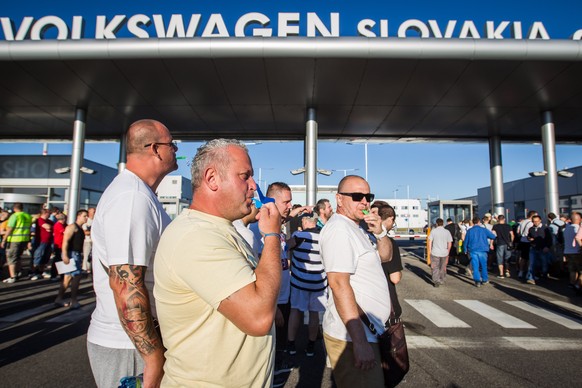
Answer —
440 241
216 301
122 339
355 279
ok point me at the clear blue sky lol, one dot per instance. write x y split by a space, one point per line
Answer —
449 170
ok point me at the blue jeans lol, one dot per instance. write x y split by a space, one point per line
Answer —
479 263
42 254
537 257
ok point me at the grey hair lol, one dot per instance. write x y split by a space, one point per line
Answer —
212 152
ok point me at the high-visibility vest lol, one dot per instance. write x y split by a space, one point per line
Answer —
20 223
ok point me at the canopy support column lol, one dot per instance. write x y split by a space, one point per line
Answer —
76 163
122 154
311 157
496 168
549 151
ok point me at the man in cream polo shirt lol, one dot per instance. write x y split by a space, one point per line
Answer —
355 278
215 301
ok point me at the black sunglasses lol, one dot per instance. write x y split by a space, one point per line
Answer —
172 144
359 196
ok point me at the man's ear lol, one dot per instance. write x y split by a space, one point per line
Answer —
211 178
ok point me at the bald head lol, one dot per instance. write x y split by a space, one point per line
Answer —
143 132
348 181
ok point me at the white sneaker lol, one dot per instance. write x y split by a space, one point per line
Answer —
9 280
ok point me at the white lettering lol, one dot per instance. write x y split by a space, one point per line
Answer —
364 28
384 28
538 30
288 24
134 25
78 26
22 30
193 26
45 23
314 25
436 31
104 30
175 27
469 30
495 33
251 18
215 22
577 35
415 25
517 33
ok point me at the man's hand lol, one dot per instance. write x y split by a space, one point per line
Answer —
269 219
374 223
300 210
364 355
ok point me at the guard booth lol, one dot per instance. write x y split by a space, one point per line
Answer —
456 210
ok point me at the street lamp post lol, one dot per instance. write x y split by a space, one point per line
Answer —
261 177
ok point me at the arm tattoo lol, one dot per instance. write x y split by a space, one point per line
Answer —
133 306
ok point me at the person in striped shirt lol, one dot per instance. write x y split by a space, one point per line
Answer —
308 281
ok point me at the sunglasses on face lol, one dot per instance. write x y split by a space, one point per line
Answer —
357 197
172 144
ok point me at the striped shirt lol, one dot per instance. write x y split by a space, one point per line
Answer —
307 271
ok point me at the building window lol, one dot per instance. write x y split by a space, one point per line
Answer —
404 207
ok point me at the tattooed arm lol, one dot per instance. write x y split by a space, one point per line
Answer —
133 306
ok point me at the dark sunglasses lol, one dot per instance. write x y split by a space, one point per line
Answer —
359 196
170 144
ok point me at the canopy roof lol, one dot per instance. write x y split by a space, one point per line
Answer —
365 89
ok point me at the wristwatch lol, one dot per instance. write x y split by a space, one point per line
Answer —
383 234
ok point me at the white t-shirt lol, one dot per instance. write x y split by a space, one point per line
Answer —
440 237
126 229
345 247
523 229
248 235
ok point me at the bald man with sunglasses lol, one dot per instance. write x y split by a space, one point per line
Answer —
353 245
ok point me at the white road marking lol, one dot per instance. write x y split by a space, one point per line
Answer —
542 344
567 305
558 318
436 314
502 319
520 343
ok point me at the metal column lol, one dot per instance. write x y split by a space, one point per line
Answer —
76 164
311 157
549 151
496 168
122 154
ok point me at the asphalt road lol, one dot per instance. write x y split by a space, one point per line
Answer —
504 334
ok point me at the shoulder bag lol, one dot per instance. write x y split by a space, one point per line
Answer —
393 349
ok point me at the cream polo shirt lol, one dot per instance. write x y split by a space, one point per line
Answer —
200 261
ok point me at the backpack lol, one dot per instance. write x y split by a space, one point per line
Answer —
560 234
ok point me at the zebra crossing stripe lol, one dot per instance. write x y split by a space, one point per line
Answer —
436 314
567 305
543 344
499 317
560 319
523 343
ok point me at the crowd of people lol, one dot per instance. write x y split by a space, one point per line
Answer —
529 249
49 243
234 276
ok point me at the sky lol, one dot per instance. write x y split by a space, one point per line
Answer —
424 170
